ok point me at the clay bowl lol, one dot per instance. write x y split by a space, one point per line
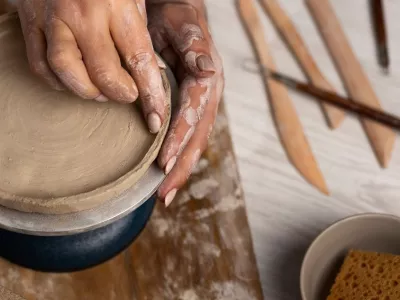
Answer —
370 232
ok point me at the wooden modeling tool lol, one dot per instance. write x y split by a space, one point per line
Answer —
287 122
307 63
338 101
358 86
378 23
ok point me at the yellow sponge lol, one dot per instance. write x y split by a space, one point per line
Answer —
368 276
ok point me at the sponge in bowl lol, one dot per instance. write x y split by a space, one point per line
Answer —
367 275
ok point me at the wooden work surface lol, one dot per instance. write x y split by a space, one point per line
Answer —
199 248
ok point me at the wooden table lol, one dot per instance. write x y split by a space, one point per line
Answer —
285 213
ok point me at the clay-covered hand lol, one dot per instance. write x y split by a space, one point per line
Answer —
180 34
80 44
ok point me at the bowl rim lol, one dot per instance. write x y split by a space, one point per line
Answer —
331 227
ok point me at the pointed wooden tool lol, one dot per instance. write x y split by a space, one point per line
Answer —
299 49
287 122
358 86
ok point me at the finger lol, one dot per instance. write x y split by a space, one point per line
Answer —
65 60
194 97
189 157
102 61
188 34
36 50
141 5
133 42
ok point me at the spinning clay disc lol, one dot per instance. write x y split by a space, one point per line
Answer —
59 153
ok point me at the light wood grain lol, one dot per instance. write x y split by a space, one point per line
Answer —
286 213
287 122
357 83
300 50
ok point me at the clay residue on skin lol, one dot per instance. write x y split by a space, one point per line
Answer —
187 35
190 60
141 62
195 160
186 139
190 116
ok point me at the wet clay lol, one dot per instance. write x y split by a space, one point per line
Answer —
59 153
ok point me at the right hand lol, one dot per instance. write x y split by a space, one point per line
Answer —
78 44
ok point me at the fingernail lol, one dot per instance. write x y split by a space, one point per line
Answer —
170 165
160 63
170 196
205 64
154 122
101 98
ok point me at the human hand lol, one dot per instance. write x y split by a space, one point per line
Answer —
180 34
79 44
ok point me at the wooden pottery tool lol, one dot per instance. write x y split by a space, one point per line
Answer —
287 122
336 100
358 86
379 25
300 51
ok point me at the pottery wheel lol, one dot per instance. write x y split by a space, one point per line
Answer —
59 153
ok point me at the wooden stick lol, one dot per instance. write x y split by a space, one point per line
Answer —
378 20
287 122
344 103
299 49
358 86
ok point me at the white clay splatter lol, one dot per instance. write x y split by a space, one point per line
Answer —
190 116
202 188
195 160
210 249
200 166
140 63
226 204
189 239
187 35
183 198
162 227
189 295
230 290
210 130
186 139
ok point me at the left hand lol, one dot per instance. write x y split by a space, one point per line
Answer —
180 34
